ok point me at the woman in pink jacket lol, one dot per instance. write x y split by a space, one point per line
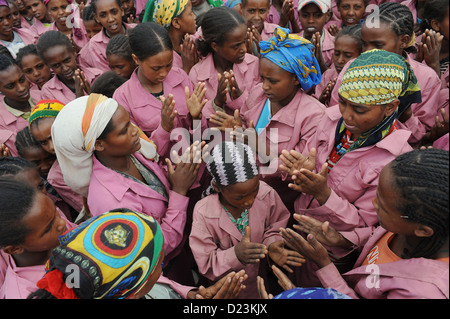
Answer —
31 227
105 158
407 255
353 142
228 71
70 81
237 225
278 111
109 14
395 34
153 81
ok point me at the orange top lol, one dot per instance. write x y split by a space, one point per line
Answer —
381 253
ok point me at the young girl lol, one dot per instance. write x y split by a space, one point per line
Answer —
30 229
69 81
61 11
16 17
285 14
278 108
237 226
91 25
26 16
348 46
353 142
313 16
16 100
153 81
351 12
109 14
11 37
105 158
409 250
42 18
395 34
35 69
227 70
40 122
179 20
255 13
120 56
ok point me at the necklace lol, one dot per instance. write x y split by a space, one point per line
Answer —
157 95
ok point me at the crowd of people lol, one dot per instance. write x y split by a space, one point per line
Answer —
237 149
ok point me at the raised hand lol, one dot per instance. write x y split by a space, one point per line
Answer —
310 248
249 252
222 90
184 175
4 151
196 101
325 96
333 29
168 113
284 257
313 184
224 120
283 281
295 161
82 86
322 231
235 91
228 287
189 54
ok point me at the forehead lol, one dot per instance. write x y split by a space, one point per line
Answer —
30 59
237 34
257 3
56 51
106 5
31 2
11 74
160 59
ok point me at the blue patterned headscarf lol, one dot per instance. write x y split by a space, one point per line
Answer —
311 293
294 54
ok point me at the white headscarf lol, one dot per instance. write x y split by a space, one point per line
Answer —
74 132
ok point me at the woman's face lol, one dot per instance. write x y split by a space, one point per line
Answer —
361 118
31 176
59 11
45 224
36 70
121 65
280 86
16 17
240 196
62 61
6 23
123 139
386 203
109 15
37 7
41 131
14 85
156 68
186 20
312 19
92 28
42 159
255 13
352 11
345 49
383 38
234 47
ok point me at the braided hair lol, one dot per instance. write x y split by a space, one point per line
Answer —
25 140
399 18
216 24
11 166
231 163
422 179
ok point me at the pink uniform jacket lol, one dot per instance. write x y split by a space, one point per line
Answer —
7 138
110 190
28 37
268 31
246 73
415 278
274 16
213 235
290 127
93 54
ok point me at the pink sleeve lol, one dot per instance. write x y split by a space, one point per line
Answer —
330 277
